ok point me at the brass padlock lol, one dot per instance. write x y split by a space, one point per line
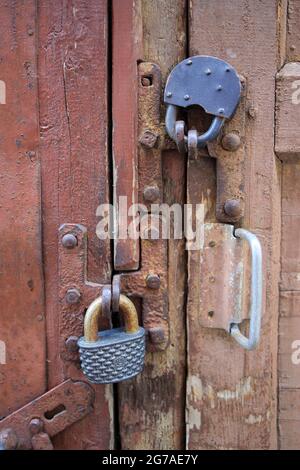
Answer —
112 355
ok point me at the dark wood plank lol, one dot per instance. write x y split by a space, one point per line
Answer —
152 407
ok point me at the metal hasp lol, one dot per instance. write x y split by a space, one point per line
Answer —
204 81
223 285
256 293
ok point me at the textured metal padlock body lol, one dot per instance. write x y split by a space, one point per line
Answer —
114 357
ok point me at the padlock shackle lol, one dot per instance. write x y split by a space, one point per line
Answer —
127 308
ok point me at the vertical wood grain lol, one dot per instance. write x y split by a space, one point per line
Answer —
231 394
152 405
126 45
73 78
289 325
22 320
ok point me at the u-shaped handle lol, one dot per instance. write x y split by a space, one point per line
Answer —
208 136
256 293
93 313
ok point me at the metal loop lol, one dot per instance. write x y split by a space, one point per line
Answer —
256 293
94 311
209 135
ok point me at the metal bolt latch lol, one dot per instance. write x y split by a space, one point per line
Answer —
204 81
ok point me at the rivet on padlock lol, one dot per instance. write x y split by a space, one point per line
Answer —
114 355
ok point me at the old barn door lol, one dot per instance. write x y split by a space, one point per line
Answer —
82 133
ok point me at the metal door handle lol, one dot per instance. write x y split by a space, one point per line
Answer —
256 293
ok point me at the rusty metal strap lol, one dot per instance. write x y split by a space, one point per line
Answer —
32 425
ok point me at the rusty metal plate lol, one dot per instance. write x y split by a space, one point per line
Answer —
57 409
221 278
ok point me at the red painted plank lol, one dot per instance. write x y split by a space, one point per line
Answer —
124 108
73 122
22 327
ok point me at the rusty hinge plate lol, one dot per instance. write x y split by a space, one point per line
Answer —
136 284
55 410
222 272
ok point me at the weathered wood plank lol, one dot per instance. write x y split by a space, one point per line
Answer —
125 31
73 123
293 31
289 326
22 322
231 393
152 407
289 422
287 137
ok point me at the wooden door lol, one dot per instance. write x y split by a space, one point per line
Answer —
82 123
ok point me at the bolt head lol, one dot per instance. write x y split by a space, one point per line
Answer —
69 240
208 72
148 139
151 193
232 208
231 141
189 62
8 439
73 296
186 97
36 426
169 94
146 81
221 110
71 343
219 88
153 281
156 335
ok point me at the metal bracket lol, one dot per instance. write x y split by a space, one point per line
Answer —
32 426
223 285
204 81
149 284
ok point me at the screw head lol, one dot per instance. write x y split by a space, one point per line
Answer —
219 88
72 296
169 94
252 111
36 426
69 240
153 281
208 72
186 97
212 243
189 62
221 110
148 139
71 343
232 208
151 193
231 141
156 334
